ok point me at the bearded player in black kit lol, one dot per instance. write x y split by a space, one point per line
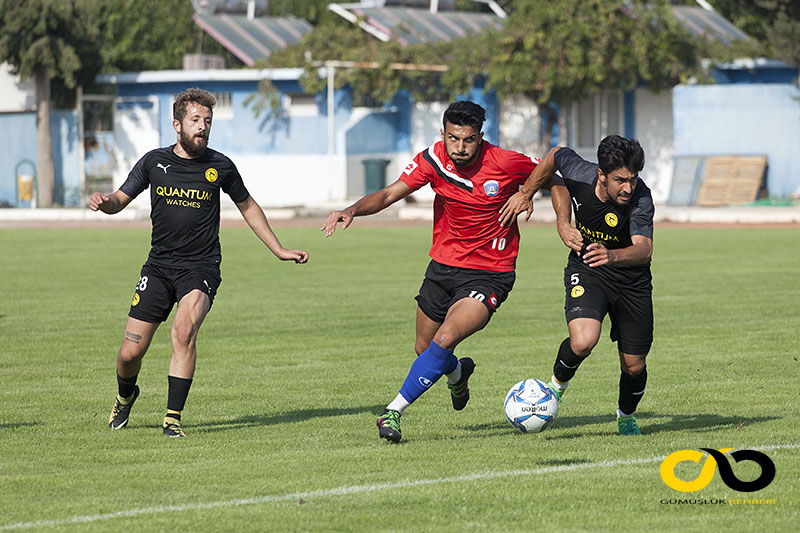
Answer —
185 182
608 270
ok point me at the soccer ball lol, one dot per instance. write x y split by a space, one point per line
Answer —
531 406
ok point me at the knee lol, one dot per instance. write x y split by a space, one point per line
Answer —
183 336
420 346
445 339
582 345
633 368
129 354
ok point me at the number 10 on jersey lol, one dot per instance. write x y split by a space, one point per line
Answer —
499 243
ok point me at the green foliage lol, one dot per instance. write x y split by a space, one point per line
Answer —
56 36
550 51
774 24
145 34
316 12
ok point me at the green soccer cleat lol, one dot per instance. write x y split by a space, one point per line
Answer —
628 425
172 427
118 418
389 425
558 391
459 392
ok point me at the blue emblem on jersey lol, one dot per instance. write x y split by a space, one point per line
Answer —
491 187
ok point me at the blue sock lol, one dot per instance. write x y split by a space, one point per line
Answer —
426 370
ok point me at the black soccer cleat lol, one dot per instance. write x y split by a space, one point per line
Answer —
389 426
459 391
172 427
118 418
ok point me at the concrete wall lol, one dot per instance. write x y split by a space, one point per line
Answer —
652 126
742 120
18 95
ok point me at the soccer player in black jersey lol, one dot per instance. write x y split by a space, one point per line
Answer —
185 182
608 270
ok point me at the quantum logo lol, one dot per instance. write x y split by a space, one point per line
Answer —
716 458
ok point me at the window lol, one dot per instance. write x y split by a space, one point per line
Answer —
301 105
595 117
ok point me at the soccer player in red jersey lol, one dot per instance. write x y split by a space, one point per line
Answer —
473 257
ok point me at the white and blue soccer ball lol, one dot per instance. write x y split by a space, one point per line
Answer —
531 406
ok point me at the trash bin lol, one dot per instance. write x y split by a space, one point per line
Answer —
374 174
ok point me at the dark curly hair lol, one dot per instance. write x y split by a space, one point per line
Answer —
616 152
198 96
464 113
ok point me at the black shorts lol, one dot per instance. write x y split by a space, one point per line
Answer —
159 288
445 285
630 306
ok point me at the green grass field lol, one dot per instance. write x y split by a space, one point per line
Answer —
295 362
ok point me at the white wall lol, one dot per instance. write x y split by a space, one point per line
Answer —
653 128
519 126
16 95
288 180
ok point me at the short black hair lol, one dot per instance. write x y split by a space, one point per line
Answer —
464 113
616 152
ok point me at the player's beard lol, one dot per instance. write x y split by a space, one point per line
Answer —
194 146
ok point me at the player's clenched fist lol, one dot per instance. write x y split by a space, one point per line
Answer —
97 200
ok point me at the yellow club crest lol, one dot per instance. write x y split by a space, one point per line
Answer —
211 175
135 300
577 291
611 219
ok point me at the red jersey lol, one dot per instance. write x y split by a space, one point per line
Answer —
466 210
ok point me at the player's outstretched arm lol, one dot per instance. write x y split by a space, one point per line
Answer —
109 205
257 220
367 205
559 196
523 200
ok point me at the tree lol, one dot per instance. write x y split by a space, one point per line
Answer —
552 52
773 23
40 39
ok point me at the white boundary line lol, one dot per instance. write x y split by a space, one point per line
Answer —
347 490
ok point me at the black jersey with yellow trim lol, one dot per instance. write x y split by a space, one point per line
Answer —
606 223
185 203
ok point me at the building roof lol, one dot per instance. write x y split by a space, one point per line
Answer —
709 23
409 25
252 39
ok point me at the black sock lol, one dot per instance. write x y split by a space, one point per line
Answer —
178 391
631 390
126 385
567 362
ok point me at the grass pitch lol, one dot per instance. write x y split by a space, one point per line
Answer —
296 361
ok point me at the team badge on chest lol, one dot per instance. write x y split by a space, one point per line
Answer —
491 188
211 175
611 219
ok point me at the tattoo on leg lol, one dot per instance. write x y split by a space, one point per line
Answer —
132 337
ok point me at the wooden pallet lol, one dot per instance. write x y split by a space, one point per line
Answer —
732 180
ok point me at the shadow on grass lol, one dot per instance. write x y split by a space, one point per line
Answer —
649 422
15 425
290 417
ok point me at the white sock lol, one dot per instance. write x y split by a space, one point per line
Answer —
455 375
620 413
399 404
560 386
